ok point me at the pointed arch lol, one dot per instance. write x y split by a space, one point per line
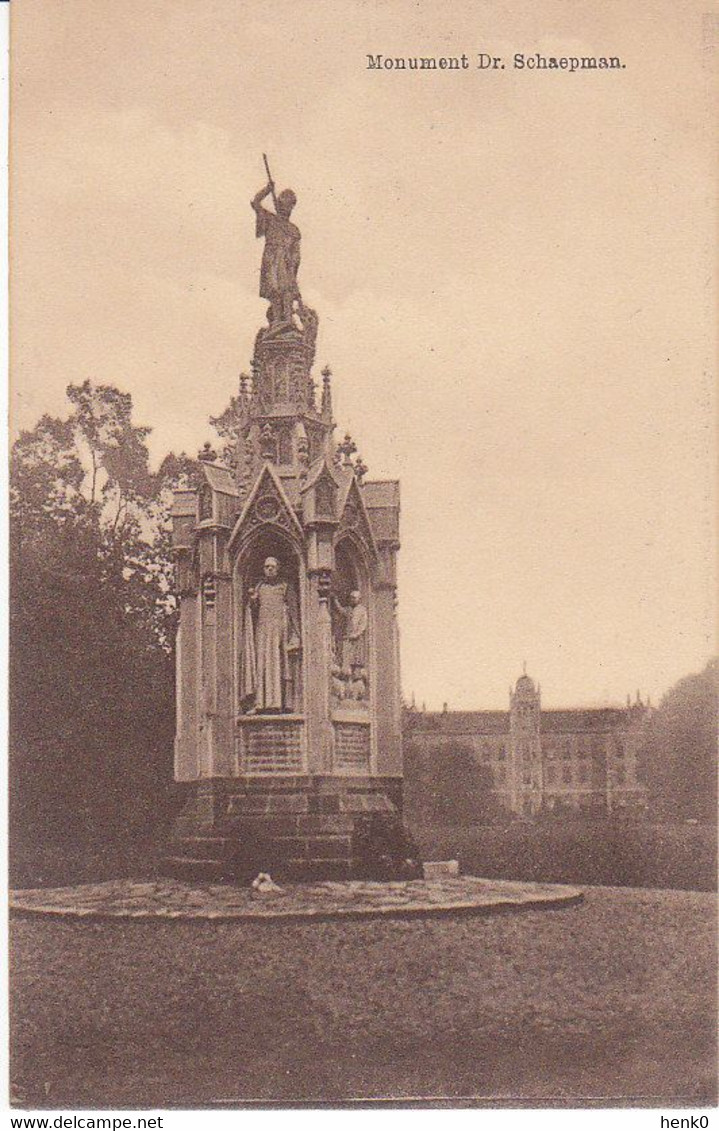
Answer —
267 506
268 540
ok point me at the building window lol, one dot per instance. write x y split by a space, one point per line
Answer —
566 774
527 777
619 776
502 754
583 773
551 775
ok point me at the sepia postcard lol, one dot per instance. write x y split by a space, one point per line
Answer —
363 675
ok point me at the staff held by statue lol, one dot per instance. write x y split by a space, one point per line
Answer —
270 182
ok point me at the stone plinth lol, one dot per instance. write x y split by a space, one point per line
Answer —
296 827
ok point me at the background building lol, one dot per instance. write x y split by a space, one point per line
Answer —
581 759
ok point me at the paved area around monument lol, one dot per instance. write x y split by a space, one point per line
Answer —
172 899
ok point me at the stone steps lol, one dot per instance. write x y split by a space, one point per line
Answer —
294 828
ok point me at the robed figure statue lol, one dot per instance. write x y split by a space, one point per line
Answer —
349 678
281 256
269 679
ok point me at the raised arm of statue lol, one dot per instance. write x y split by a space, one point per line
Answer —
257 199
340 608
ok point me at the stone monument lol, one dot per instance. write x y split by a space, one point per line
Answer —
288 693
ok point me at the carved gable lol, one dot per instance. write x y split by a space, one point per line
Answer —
266 506
354 520
320 495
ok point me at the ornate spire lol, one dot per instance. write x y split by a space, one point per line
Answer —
207 453
346 450
245 392
361 469
303 451
327 394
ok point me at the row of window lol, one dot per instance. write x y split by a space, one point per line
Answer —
550 777
489 754
583 776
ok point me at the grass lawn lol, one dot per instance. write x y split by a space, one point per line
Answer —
613 1000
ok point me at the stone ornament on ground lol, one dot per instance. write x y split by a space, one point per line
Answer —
264 885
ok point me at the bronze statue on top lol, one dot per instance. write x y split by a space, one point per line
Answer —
281 257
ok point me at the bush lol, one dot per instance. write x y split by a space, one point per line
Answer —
609 853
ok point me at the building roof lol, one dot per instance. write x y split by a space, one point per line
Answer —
220 478
561 721
381 497
525 683
461 722
582 718
381 492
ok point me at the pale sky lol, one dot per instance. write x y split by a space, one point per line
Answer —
513 272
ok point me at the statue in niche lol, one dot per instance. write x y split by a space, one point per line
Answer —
271 645
281 256
349 671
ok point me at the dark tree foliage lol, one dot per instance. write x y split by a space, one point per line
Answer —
447 787
679 757
226 426
92 624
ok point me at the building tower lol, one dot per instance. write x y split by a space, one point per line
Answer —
288 691
525 747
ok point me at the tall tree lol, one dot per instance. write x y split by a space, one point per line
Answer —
227 427
679 756
92 624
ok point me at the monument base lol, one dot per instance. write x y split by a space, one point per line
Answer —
295 827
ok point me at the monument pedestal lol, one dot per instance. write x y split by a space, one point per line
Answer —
304 827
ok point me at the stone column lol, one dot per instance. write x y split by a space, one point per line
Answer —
386 692
221 720
317 669
187 694
208 673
